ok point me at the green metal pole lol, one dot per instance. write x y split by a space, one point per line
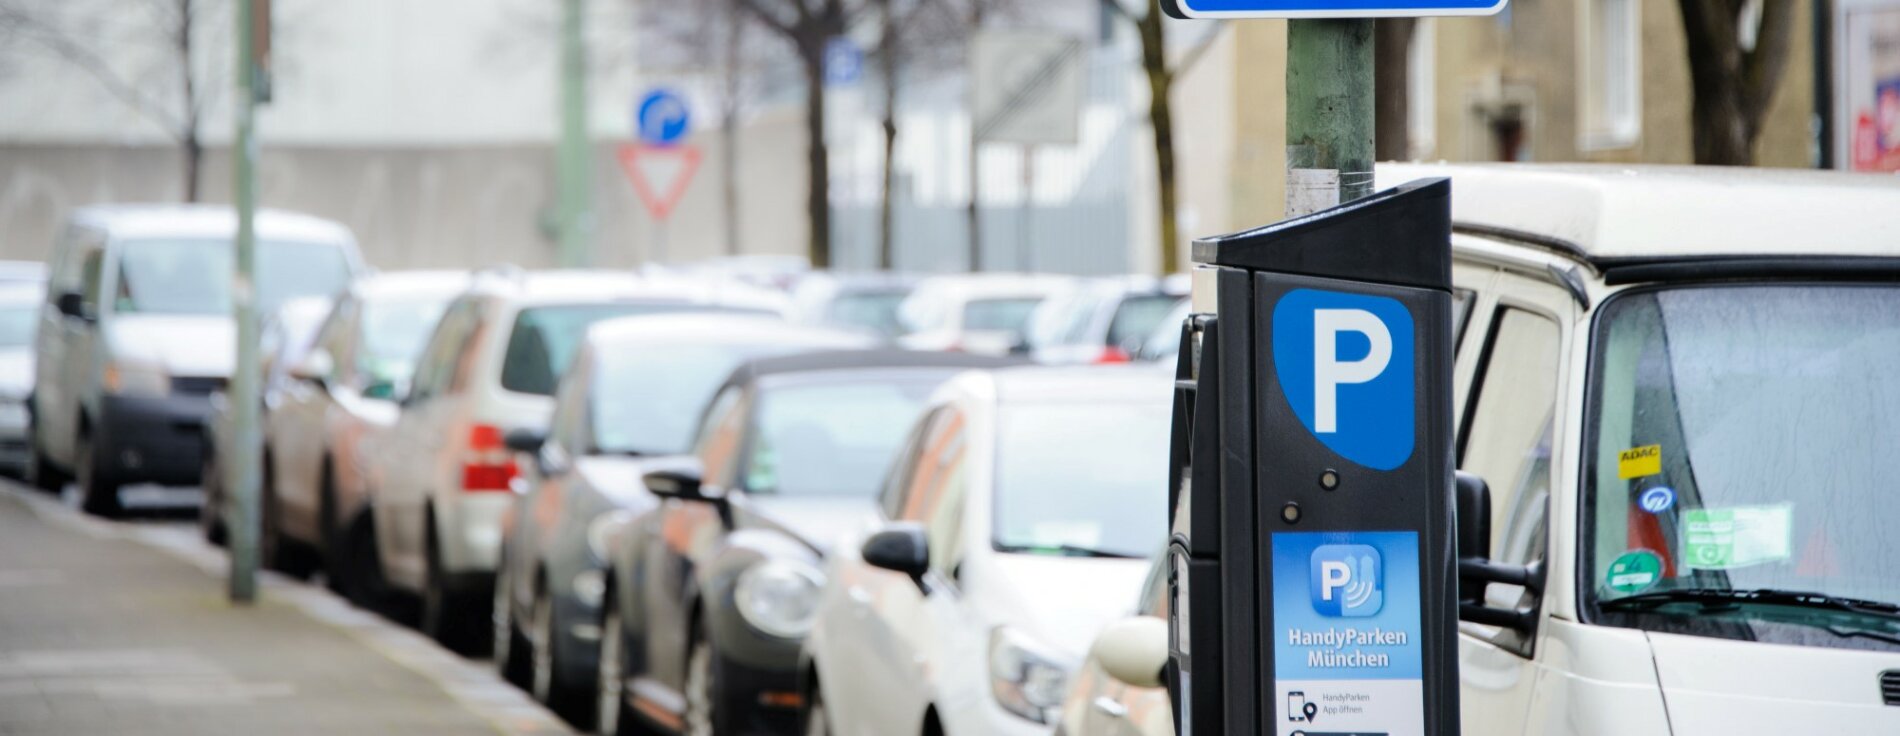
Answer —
1329 118
574 218
242 445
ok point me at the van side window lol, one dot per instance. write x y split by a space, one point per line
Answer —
91 273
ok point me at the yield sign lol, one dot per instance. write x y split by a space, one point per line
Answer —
659 173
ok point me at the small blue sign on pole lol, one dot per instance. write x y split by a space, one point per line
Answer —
1328 8
844 62
660 119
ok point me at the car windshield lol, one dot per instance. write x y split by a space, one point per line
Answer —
1744 440
1137 318
394 332
1002 315
872 311
832 439
544 339
1083 476
17 324
647 398
194 276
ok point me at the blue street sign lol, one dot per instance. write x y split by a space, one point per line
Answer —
660 119
844 62
1327 8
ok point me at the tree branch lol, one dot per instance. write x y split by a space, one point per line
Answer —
1120 11
766 17
96 67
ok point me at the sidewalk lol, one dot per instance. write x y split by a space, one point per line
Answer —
123 629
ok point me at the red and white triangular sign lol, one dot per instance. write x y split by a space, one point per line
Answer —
659 174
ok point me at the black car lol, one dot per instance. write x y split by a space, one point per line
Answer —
627 406
711 594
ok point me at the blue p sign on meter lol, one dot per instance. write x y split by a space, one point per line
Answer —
660 119
1327 8
1345 365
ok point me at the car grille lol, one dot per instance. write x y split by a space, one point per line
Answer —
197 385
1890 687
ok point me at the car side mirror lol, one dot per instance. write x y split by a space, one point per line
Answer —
1133 650
316 367
899 547
71 304
1476 570
684 484
525 439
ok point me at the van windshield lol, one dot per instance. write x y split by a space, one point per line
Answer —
194 276
1744 447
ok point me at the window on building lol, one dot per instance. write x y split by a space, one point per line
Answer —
1610 65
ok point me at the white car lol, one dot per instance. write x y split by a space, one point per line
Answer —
444 476
1119 690
342 393
1015 524
975 313
136 335
1102 320
19 315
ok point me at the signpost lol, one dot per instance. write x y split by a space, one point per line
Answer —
660 164
1313 565
243 446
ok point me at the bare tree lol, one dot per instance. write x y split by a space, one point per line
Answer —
1392 64
1738 50
1162 73
914 36
154 66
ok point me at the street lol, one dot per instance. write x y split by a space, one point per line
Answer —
123 628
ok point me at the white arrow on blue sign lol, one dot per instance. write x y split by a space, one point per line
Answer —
1328 8
661 118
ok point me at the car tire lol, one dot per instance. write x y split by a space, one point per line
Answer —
330 544
367 588
817 720
98 492
702 717
40 471
276 552
612 715
545 680
211 509
508 645
449 613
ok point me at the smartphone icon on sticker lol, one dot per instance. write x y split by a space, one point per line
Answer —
1296 705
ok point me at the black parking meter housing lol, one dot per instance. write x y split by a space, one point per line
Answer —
1348 495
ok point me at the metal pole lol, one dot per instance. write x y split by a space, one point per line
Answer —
574 217
242 445
1329 117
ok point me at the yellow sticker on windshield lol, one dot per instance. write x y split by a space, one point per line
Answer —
1639 462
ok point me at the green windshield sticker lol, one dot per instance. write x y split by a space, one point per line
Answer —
1634 571
1736 537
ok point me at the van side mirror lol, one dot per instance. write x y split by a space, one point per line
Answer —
71 304
899 547
1133 650
1476 570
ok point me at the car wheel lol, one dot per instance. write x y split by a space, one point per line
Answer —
367 588
817 721
612 715
98 494
278 553
508 645
211 509
40 471
446 611
548 686
701 715
329 535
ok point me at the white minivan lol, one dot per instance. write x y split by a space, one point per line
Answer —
136 335
1680 387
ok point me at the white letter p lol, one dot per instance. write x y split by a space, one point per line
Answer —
1333 575
1329 372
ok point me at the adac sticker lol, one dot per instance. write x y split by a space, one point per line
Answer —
1657 499
1639 462
1634 571
1345 364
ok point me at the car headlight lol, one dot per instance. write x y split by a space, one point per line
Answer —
136 378
601 531
779 597
1025 681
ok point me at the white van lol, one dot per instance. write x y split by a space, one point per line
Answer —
136 335
1682 387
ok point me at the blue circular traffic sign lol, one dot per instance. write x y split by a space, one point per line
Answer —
661 118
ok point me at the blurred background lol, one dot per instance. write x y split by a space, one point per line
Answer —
432 127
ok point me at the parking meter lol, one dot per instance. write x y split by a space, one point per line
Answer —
1313 587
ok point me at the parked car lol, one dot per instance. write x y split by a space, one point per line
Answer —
30 273
444 475
282 341
712 593
976 313
1014 526
1101 320
137 334
1163 343
19 317
1118 690
866 302
629 403
341 392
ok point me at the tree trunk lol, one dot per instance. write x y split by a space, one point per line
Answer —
1154 61
729 130
191 147
817 156
1733 86
1392 64
886 259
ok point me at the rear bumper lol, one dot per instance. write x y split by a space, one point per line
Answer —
470 529
152 439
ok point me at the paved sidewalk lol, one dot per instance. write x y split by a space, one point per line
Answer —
123 629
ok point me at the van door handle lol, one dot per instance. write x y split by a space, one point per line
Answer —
1110 707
